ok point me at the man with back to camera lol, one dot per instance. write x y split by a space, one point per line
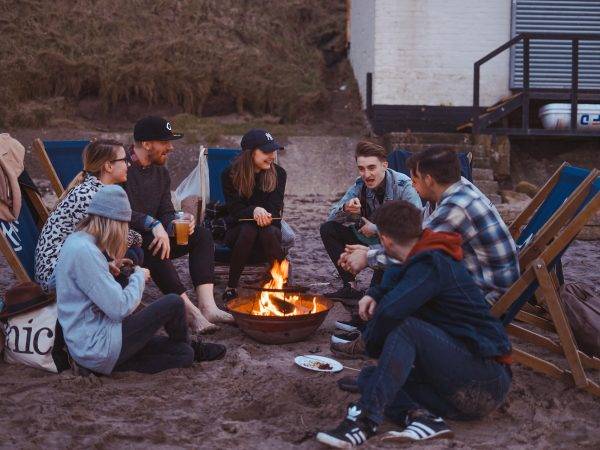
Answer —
149 190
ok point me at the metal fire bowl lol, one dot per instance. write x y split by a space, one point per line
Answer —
275 329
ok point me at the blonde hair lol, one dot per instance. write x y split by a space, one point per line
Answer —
111 235
242 175
94 156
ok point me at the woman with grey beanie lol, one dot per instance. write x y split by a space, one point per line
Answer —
101 329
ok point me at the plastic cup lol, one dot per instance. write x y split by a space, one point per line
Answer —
182 228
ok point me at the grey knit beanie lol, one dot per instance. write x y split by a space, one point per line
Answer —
111 202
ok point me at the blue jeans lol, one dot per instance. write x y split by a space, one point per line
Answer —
143 351
422 367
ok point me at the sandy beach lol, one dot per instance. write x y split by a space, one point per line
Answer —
256 398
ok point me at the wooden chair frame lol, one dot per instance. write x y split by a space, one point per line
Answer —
547 293
40 150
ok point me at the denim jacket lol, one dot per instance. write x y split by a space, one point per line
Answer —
437 289
397 187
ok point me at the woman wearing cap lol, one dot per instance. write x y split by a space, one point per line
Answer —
104 163
102 332
254 187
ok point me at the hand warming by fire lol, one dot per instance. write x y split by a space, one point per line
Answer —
274 301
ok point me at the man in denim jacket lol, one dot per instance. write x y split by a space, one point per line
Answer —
376 185
440 351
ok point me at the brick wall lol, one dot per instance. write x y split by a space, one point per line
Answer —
424 50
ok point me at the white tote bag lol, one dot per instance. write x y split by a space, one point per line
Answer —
30 338
194 189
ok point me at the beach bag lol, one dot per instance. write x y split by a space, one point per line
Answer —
193 192
35 339
582 308
287 236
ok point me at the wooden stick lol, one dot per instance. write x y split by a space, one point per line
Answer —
248 220
318 360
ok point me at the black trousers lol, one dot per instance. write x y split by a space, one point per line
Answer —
249 239
142 351
335 237
201 249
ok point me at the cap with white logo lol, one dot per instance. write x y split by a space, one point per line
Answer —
153 128
260 139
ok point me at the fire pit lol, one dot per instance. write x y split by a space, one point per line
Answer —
274 315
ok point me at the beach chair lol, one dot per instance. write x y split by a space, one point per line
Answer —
536 278
61 160
19 238
397 161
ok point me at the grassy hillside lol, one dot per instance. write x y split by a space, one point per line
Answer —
202 57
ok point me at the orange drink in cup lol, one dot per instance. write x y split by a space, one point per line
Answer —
182 227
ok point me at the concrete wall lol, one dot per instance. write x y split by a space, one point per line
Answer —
362 41
425 50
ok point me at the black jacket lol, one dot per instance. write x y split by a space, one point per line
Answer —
239 207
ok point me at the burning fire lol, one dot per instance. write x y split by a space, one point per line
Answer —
273 303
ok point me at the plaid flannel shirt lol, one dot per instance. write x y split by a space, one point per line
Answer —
490 253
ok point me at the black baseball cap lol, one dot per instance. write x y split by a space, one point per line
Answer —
153 128
260 139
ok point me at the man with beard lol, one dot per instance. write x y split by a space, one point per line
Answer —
149 190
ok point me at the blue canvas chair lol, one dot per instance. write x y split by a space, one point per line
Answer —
567 221
61 160
19 238
397 161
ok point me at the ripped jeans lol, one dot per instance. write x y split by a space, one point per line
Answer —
422 367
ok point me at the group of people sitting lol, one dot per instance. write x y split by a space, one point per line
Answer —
113 229
440 252
426 318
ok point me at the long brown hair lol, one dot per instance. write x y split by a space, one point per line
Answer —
242 175
111 235
94 156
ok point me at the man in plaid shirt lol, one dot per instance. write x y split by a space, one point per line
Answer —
490 253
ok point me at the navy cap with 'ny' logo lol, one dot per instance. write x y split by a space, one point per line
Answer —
260 139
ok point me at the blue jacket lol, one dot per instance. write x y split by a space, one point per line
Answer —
91 304
434 287
397 187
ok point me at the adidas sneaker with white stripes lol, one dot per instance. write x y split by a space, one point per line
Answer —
421 428
352 432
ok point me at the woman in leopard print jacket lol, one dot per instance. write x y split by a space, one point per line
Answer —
104 162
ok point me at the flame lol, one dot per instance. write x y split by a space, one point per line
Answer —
280 303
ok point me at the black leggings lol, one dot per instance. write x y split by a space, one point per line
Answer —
202 261
142 351
246 238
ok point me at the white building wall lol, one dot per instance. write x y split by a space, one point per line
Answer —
424 50
362 42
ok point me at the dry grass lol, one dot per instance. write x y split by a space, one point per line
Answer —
259 56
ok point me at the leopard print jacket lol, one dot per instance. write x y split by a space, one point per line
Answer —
61 223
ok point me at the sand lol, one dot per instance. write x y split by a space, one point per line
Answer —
256 398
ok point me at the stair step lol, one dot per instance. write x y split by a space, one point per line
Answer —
428 138
481 163
487 187
480 174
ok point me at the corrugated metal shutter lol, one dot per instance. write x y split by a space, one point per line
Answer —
550 60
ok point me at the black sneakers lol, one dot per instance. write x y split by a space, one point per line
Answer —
420 426
347 292
207 351
343 337
353 431
229 294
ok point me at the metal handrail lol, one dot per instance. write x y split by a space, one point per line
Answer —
526 38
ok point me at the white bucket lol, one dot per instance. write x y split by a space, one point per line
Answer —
557 116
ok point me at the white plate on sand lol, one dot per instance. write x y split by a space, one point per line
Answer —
318 363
